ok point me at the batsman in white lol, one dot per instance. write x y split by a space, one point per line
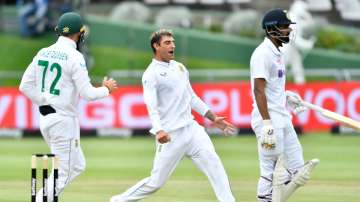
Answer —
271 121
170 98
54 80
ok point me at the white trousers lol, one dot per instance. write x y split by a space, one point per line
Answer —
288 145
62 135
191 141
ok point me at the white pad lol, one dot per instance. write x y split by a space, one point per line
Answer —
279 178
300 179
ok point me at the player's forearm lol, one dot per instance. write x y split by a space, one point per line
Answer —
150 99
210 115
261 103
32 93
199 106
154 115
155 120
33 96
91 93
196 103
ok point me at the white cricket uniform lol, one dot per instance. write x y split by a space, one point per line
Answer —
267 62
169 99
57 76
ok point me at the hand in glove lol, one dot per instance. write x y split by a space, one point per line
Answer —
294 101
268 138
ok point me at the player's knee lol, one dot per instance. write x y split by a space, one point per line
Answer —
156 188
210 155
156 184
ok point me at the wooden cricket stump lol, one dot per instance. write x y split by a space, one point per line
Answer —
45 168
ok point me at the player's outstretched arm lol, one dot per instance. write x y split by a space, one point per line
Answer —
89 92
80 77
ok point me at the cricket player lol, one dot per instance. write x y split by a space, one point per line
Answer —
170 98
54 80
271 121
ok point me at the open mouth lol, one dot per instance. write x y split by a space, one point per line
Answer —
171 52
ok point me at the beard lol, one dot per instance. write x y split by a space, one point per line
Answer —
282 40
79 45
80 42
285 39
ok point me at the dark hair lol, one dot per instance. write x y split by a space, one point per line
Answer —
157 35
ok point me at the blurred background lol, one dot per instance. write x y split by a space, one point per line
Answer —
214 39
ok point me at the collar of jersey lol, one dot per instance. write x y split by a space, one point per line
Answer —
272 46
165 64
66 41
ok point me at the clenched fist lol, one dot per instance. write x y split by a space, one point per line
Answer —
162 137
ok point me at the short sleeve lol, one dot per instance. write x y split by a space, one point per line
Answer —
259 67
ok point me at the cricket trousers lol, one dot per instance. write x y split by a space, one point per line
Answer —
191 141
288 145
62 135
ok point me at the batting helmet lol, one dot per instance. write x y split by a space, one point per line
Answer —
276 17
69 23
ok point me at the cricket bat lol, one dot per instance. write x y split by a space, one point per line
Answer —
334 116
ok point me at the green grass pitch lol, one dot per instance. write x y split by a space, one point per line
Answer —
115 164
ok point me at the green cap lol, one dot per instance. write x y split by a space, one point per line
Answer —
69 23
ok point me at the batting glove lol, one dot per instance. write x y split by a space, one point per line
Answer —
294 101
268 138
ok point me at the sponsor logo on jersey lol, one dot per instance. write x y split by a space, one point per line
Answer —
281 73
